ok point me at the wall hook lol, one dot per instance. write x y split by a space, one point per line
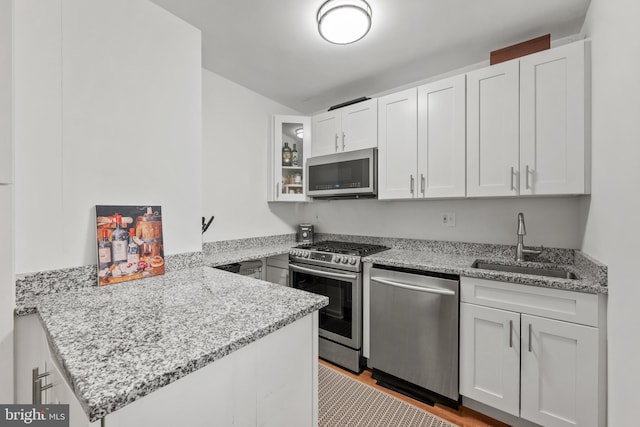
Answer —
205 224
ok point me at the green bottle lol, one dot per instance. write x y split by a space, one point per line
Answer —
286 155
294 156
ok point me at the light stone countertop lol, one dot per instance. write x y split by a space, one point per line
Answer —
214 259
588 281
120 342
437 256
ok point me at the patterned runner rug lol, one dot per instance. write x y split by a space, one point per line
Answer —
344 401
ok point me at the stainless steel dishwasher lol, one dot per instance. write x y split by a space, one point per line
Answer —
414 333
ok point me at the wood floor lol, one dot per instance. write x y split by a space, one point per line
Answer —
464 417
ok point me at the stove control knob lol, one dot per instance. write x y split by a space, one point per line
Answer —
305 254
337 258
294 252
352 261
345 260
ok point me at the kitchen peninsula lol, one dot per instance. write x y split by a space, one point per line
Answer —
183 349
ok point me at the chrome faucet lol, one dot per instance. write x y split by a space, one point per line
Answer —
520 249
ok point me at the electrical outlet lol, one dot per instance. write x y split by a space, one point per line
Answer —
448 219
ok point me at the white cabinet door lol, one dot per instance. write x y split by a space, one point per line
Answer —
490 356
287 183
278 275
441 138
397 145
30 343
559 372
552 121
327 133
359 125
493 130
61 392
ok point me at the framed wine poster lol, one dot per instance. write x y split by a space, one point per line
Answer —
129 240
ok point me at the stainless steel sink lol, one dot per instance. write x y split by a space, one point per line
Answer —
537 271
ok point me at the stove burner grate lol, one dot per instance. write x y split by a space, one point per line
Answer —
346 248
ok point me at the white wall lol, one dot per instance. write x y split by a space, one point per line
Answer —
612 215
236 133
108 111
6 88
7 292
551 222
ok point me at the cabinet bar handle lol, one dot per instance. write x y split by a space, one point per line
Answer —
336 142
512 175
422 183
36 385
411 183
34 391
526 177
530 338
343 145
277 190
510 333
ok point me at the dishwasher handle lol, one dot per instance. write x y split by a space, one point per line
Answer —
439 291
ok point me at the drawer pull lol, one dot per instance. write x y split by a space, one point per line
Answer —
530 338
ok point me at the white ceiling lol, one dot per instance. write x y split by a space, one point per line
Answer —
273 47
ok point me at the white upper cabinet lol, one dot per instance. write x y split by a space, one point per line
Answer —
552 121
512 129
421 141
327 128
441 138
345 129
288 152
526 125
359 125
493 130
397 139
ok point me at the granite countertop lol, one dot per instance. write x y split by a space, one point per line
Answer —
591 279
438 256
230 256
121 342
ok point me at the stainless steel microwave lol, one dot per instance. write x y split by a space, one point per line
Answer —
353 174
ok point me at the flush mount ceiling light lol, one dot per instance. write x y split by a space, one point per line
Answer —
299 133
344 21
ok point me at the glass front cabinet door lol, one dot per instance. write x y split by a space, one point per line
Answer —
289 148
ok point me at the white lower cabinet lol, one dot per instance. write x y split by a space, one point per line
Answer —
559 369
278 275
490 356
32 352
270 382
278 269
515 357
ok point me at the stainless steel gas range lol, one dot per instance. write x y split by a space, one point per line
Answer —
334 269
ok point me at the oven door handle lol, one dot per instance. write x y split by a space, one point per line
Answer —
429 290
322 273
